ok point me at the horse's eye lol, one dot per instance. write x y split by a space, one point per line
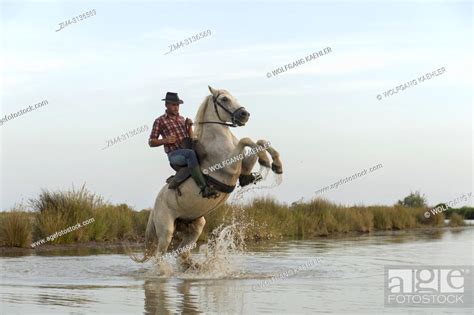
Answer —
225 99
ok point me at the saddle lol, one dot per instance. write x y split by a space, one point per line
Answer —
183 172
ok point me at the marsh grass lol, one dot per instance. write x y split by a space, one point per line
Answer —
260 219
58 210
115 223
266 218
15 228
456 220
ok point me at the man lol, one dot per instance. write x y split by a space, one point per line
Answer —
174 129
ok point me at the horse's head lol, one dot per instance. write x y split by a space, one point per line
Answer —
228 108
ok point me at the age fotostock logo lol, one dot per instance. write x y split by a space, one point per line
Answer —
428 286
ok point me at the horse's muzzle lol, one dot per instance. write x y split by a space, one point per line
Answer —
241 116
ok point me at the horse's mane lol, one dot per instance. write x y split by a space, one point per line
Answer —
200 117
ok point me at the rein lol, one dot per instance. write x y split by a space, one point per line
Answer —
211 180
222 122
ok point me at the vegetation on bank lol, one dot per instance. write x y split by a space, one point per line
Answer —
263 218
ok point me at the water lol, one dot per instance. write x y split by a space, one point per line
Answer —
346 277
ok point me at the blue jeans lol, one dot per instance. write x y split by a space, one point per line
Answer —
183 157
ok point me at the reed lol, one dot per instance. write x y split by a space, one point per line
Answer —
15 228
266 218
456 220
261 219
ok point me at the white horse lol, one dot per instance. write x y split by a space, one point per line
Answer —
217 113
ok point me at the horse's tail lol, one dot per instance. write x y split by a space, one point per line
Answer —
150 242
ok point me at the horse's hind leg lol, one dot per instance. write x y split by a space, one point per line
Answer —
190 235
164 226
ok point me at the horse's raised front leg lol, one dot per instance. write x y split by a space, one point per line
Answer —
277 166
261 147
259 151
246 176
248 163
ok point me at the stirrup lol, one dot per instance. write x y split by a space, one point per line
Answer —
257 177
209 192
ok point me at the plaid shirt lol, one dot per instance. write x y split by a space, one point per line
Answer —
166 126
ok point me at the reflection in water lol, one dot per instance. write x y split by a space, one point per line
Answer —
112 283
409 236
175 296
59 299
223 296
162 297
458 230
67 250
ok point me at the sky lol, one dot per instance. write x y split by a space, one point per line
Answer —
106 75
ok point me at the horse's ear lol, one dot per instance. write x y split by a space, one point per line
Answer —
213 91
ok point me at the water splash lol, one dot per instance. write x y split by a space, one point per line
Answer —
220 253
219 257
264 171
227 243
216 259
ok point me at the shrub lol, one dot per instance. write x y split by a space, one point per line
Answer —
413 200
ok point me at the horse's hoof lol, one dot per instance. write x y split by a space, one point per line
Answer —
188 264
253 178
264 163
277 169
191 267
194 266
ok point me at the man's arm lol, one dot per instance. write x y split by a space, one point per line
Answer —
155 133
158 142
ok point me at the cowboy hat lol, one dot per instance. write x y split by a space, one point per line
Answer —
172 98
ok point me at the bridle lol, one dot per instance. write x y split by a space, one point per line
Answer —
235 122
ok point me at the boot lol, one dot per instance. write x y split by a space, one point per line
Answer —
206 191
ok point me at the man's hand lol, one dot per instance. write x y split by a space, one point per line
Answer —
170 139
189 127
